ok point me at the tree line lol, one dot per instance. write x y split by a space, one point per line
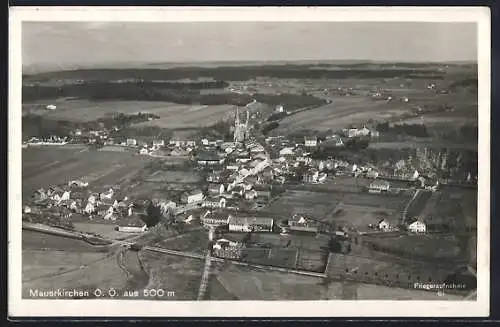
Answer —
241 73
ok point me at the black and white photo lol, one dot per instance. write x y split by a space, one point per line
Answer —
170 164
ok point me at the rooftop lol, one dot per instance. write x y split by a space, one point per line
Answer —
250 220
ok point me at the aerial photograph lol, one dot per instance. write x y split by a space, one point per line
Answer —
202 161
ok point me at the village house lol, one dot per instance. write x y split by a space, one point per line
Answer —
193 196
209 158
179 152
250 195
238 190
250 224
286 152
417 226
310 141
372 174
131 142
300 224
158 143
214 202
214 177
263 192
228 247
379 186
225 243
215 218
167 206
311 176
132 224
182 143
383 225
215 189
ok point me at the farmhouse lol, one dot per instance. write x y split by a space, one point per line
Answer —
223 244
372 174
286 152
263 192
379 186
209 158
215 188
383 225
336 140
131 142
193 196
132 224
299 223
178 142
311 176
250 195
215 218
250 224
417 227
213 202
158 143
214 177
310 141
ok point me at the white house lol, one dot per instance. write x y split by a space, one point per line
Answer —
310 141
132 225
286 151
383 225
250 195
280 108
417 227
209 158
222 244
249 224
193 196
131 142
158 143
178 142
379 186
215 188
215 218
107 195
212 202
372 174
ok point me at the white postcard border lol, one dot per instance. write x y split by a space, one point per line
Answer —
117 308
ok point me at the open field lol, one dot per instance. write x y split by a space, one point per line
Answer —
251 284
191 241
173 274
424 246
41 241
171 115
267 285
185 177
313 204
52 262
350 209
400 274
43 263
47 166
341 113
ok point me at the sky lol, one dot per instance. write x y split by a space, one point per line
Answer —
97 43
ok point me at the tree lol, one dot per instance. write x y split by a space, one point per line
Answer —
153 214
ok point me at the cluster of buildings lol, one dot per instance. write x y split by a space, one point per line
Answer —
63 202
